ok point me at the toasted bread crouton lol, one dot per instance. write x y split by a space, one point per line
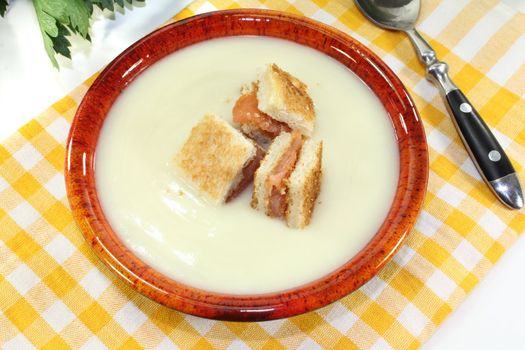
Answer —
261 193
304 185
213 158
288 181
285 98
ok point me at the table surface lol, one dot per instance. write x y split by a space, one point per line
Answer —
491 317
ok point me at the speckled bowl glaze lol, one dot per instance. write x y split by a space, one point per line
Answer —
83 137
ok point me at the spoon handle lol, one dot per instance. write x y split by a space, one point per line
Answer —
487 154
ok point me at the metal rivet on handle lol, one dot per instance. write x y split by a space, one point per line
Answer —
465 107
494 155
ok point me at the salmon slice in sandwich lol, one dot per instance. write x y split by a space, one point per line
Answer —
217 160
277 102
288 181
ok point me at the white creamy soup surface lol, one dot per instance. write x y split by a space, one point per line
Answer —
232 248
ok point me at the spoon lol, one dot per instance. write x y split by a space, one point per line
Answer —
487 154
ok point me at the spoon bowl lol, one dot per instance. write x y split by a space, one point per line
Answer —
391 14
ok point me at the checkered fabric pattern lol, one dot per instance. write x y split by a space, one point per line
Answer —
54 293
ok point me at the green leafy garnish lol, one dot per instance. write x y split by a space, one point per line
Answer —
58 19
3 7
107 4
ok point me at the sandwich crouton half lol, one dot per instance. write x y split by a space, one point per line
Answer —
288 181
304 185
217 160
278 102
285 98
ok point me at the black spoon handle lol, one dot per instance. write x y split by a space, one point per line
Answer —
477 137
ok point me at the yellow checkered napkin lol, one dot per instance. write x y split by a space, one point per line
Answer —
54 293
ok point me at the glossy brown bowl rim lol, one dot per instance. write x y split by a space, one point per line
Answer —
80 174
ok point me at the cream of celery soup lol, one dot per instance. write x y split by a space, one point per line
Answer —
233 248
